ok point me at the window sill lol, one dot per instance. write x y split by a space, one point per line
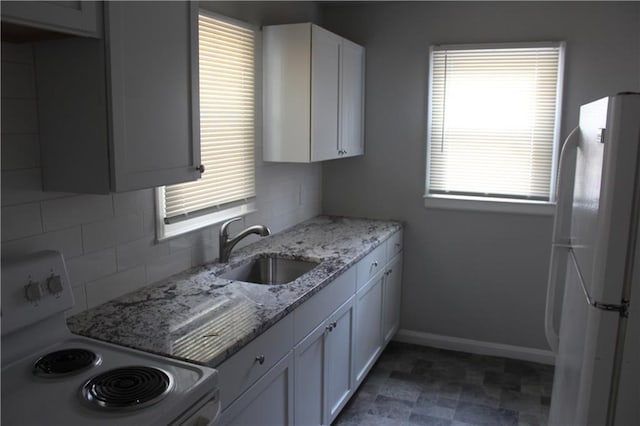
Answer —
497 205
166 231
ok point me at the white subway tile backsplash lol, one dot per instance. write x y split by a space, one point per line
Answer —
166 266
20 151
129 227
90 267
98 235
79 301
115 285
77 210
133 201
204 252
68 241
109 233
19 116
21 221
149 222
140 252
24 186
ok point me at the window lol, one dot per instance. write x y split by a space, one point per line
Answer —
493 126
227 133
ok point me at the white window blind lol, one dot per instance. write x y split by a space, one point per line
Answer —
493 121
227 116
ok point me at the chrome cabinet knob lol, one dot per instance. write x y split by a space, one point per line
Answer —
200 168
260 359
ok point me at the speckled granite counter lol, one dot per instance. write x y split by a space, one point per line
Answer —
198 317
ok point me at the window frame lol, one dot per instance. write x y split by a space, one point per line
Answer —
494 204
236 208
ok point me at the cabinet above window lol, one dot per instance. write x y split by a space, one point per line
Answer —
32 20
122 113
313 94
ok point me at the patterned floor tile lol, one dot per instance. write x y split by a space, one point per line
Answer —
483 415
391 408
416 385
426 420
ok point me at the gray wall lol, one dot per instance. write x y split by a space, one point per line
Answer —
108 240
470 275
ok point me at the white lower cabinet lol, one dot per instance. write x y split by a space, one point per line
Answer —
339 358
391 297
310 378
325 348
368 325
268 402
323 364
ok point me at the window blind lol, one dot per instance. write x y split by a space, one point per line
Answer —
227 116
493 121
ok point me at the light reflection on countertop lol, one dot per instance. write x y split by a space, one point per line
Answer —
198 317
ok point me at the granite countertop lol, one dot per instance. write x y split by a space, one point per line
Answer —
198 317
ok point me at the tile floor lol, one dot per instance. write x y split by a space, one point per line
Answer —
416 385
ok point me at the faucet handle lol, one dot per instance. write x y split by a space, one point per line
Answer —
223 228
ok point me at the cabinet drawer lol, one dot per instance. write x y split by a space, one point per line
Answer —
394 245
371 264
254 360
317 308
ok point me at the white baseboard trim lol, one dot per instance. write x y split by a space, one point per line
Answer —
475 346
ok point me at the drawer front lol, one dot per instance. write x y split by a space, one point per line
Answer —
371 264
321 305
394 245
245 367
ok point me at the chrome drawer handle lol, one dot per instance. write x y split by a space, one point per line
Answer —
260 359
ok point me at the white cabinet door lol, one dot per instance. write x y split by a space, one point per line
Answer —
323 366
310 378
128 119
391 298
352 99
268 402
153 57
325 93
313 86
339 358
82 18
368 326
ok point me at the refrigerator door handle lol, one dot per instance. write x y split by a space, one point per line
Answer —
621 308
562 210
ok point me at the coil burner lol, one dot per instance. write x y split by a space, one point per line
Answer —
127 388
65 362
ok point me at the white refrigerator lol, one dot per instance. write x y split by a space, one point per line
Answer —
592 322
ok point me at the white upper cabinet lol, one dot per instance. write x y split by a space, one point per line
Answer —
325 94
352 99
313 94
122 114
82 18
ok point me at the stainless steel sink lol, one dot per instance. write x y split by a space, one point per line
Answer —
270 270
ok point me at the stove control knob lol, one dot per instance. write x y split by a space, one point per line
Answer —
54 284
33 291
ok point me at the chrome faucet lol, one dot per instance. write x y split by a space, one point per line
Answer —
227 244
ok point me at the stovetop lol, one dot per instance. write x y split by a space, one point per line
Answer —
29 398
52 377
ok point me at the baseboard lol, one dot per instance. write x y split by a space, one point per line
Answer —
475 346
